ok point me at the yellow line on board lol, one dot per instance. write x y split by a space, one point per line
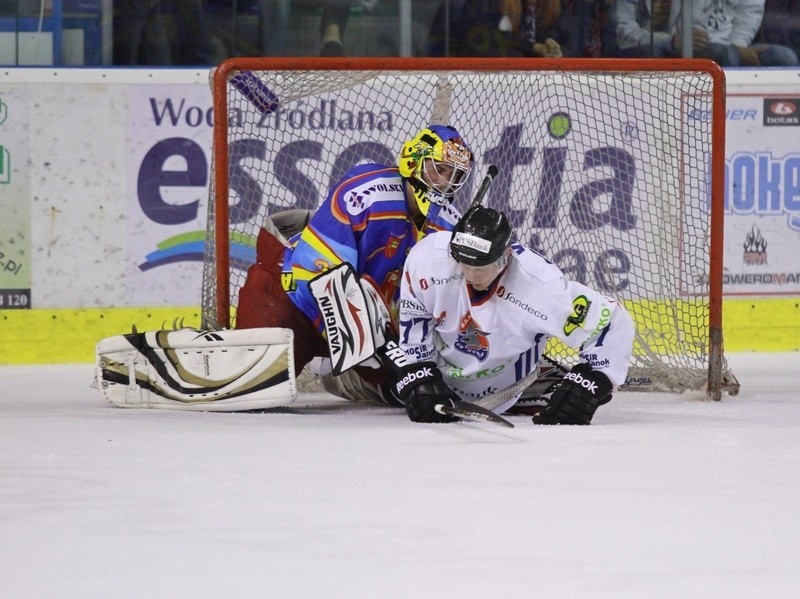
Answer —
765 325
65 336
62 336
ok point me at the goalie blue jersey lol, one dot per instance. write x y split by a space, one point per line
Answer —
365 221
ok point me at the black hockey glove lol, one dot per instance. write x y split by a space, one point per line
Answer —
417 385
575 400
420 387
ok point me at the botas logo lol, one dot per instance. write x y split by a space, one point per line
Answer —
782 108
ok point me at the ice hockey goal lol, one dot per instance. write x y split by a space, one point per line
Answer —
611 169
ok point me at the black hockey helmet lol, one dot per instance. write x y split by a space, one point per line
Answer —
480 237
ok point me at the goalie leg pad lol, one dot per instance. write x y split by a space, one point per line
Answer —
189 369
351 386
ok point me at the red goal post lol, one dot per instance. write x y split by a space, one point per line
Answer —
613 169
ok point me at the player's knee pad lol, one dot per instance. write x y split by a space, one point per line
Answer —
290 222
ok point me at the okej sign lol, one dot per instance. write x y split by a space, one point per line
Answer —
762 196
759 183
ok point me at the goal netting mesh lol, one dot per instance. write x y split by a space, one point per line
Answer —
605 172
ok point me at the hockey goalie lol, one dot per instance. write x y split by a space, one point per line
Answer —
327 278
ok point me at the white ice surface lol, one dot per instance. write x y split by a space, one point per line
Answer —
663 496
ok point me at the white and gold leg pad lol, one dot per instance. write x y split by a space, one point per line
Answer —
190 369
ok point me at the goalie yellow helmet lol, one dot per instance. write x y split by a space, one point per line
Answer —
436 162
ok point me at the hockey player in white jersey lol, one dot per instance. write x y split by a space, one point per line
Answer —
476 312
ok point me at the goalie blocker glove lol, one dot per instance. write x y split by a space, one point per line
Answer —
575 400
419 386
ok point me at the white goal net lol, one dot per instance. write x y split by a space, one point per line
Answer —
606 168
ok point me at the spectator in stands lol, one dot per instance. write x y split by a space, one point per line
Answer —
781 24
644 29
191 39
140 34
161 32
586 28
335 14
722 31
497 28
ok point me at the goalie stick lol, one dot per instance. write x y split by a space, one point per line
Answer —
470 411
491 173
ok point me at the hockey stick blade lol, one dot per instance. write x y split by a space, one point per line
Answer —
491 173
255 90
469 411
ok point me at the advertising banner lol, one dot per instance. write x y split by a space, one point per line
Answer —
15 197
170 129
762 200
104 182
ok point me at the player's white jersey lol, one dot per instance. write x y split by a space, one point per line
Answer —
486 341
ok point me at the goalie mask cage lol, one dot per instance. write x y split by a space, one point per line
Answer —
611 169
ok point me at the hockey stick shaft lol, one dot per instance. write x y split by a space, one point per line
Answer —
491 402
491 173
470 411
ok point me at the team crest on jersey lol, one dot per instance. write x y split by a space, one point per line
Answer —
356 203
471 339
390 249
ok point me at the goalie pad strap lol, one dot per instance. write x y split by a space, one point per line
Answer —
189 369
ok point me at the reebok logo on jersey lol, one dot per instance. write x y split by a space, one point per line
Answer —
576 377
424 373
